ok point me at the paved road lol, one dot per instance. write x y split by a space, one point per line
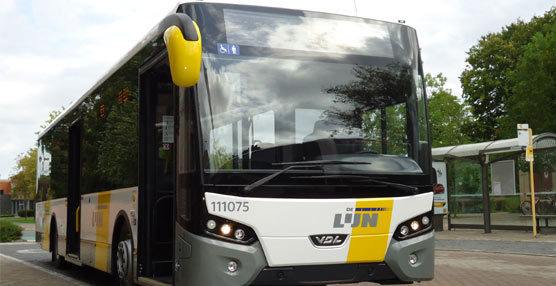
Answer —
508 247
456 268
37 264
452 268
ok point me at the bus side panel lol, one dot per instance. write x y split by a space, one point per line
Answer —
55 209
123 202
99 214
42 224
90 219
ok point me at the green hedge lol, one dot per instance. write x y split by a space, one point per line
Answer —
6 215
30 213
508 204
9 231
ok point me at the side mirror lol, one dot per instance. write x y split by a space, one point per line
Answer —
183 41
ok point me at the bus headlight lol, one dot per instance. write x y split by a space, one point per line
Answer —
404 230
415 226
227 230
239 234
211 224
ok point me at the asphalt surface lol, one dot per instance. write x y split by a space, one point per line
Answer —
37 262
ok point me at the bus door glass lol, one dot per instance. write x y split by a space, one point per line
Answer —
74 194
159 168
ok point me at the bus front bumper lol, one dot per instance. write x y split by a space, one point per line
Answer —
204 261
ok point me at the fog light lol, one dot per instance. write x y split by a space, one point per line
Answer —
425 220
404 230
413 258
414 225
211 224
239 234
232 266
225 229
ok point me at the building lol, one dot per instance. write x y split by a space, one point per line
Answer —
5 197
10 204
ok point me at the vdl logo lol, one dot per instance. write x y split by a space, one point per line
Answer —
362 217
322 240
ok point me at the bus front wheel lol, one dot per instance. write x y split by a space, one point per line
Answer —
124 259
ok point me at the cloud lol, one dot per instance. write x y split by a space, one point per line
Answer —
51 52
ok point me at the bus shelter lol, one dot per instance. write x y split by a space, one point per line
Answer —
488 184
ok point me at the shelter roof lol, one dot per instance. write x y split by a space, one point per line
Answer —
540 141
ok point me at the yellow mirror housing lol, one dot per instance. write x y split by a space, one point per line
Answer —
184 56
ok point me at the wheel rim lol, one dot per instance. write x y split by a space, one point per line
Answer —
123 258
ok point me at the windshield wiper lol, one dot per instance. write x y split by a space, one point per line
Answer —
297 165
402 187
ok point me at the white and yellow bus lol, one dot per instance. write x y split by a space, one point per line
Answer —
247 145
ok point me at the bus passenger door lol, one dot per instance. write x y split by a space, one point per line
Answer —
74 190
157 187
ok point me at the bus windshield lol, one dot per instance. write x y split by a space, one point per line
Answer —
306 94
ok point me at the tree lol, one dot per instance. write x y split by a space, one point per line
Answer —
534 87
51 117
447 115
378 97
486 79
24 181
25 178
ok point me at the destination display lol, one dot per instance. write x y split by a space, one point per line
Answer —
312 34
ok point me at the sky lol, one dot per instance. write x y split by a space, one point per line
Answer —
52 52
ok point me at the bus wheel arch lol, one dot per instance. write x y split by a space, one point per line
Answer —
122 250
53 230
56 258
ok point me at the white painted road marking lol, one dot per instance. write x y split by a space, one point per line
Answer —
17 243
34 250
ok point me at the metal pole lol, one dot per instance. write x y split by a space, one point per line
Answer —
532 177
486 197
449 186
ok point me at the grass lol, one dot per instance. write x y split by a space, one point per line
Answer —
18 219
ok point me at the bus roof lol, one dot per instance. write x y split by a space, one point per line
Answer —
297 5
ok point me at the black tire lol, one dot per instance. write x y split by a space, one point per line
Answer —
123 257
58 260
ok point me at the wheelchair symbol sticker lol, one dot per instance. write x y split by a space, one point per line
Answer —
228 49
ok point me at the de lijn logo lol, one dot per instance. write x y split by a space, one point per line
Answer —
362 217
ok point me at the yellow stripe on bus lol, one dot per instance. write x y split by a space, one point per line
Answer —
101 216
46 225
369 240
